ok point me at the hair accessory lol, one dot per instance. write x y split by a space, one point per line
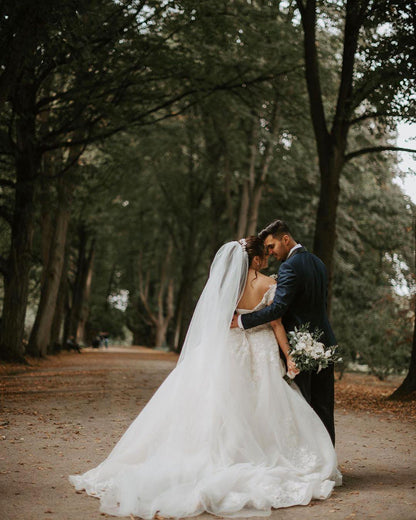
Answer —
243 243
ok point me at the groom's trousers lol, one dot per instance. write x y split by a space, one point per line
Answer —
318 390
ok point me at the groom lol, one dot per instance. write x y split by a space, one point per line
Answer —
300 298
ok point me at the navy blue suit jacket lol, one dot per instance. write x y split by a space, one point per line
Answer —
300 297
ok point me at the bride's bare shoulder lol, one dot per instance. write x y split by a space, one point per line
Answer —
264 278
266 281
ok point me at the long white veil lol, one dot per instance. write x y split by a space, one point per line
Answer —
211 320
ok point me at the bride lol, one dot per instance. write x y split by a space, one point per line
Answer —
224 433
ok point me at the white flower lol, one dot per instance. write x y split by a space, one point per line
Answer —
308 352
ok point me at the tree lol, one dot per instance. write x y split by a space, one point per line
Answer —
408 386
155 138
374 79
79 79
40 338
370 314
79 87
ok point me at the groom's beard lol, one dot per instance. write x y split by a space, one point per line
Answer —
282 258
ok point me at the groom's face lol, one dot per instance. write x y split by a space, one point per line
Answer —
277 247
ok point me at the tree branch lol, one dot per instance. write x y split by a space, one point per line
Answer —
375 149
353 20
370 83
72 161
231 85
313 81
373 115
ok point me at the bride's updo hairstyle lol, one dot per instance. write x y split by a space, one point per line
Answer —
253 246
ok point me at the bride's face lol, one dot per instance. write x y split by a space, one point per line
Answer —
264 262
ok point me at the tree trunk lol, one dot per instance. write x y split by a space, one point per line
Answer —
21 32
136 321
165 305
177 338
16 279
248 184
136 338
244 208
41 332
191 257
82 277
408 386
260 179
182 311
331 145
110 286
84 312
46 216
56 327
258 170
161 329
325 226
164 316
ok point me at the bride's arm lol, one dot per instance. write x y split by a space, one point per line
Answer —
283 342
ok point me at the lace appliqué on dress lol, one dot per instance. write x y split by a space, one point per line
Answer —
257 346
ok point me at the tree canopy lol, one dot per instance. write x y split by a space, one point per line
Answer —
137 137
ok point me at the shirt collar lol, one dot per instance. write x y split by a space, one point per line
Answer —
297 246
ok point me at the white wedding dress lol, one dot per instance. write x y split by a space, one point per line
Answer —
224 433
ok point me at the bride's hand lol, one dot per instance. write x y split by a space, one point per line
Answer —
292 369
234 321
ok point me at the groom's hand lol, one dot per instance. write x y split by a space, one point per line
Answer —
234 322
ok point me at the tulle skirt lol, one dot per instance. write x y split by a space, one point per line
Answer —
233 446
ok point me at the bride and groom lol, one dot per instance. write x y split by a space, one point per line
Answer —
225 433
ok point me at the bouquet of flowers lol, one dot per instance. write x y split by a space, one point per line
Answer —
308 352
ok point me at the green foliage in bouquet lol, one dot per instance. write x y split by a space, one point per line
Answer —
308 352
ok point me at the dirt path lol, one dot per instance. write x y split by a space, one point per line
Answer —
64 415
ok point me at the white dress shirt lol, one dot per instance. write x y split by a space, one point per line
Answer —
297 246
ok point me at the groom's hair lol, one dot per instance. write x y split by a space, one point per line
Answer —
277 229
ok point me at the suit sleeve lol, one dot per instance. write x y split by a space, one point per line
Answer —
284 295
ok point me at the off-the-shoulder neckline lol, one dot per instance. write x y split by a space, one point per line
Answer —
261 301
